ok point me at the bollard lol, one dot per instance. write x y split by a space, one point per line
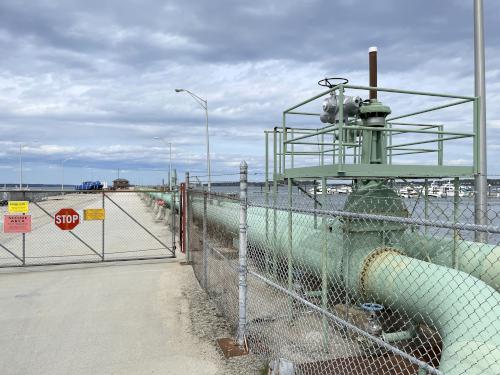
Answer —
161 213
167 216
242 280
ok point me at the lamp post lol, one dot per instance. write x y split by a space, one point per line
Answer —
21 166
170 160
203 104
62 172
21 145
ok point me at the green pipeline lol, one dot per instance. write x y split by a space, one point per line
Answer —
464 309
477 259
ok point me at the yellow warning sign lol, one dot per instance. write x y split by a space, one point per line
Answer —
18 207
94 214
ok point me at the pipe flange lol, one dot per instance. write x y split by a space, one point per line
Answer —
368 261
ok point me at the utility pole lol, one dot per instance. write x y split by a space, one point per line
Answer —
481 177
20 166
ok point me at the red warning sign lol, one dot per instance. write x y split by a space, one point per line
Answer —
16 223
67 218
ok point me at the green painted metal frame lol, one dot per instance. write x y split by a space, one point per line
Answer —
287 137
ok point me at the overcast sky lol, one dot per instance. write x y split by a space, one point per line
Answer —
94 80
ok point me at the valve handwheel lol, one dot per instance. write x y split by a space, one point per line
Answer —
373 326
330 82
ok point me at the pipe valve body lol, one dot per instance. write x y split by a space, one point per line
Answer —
374 142
352 104
374 327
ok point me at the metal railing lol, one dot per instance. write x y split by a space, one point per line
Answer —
339 144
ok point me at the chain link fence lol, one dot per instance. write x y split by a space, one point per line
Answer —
135 226
374 281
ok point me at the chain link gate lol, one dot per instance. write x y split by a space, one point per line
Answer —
333 291
135 226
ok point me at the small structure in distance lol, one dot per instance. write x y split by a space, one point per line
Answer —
121 183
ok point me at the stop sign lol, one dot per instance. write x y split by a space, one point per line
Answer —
67 218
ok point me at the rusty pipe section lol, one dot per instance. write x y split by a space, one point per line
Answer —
372 62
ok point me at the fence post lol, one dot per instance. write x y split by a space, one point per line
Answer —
205 245
242 282
324 269
24 236
187 219
103 228
182 214
172 220
315 205
290 248
456 207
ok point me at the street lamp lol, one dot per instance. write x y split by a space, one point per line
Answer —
21 166
62 172
203 104
170 160
21 145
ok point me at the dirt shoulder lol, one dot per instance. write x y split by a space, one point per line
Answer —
208 325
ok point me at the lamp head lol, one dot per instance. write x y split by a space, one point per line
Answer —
179 90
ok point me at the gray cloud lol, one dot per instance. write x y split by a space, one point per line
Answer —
95 80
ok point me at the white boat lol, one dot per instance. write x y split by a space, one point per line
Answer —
319 190
434 190
446 190
344 189
331 190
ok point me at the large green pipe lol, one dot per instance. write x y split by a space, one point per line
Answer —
464 309
477 259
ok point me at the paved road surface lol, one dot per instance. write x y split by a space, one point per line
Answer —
116 318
